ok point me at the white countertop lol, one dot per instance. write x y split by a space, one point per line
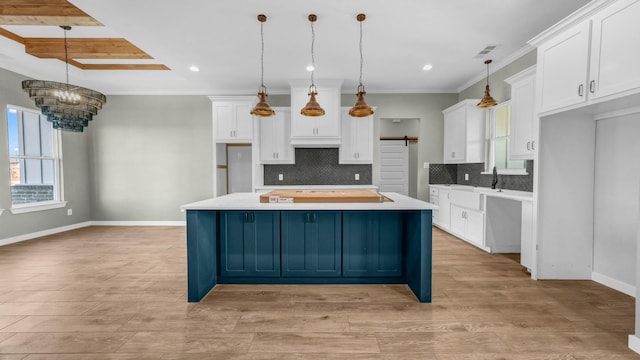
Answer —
251 201
507 194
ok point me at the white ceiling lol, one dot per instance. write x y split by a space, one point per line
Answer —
222 38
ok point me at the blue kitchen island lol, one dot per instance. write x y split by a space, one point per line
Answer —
236 239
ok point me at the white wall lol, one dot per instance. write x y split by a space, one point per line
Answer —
616 198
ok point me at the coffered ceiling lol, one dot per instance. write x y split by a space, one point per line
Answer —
148 46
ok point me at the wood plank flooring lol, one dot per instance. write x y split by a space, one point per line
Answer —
119 293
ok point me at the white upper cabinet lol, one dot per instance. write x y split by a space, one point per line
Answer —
232 121
563 64
275 144
464 133
357 139
316 130
524 125
615 54
593 61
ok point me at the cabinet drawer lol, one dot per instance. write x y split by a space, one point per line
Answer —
467 199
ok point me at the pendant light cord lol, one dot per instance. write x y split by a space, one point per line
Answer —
262 55
313 61
361 57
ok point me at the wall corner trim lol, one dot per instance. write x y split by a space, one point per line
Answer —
614 284
634 343
138 223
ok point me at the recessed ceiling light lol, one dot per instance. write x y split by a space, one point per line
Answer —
310 68
194 68
427 67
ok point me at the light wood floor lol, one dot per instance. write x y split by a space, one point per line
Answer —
120 293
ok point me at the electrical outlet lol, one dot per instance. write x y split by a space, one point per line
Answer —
425 165
466 177
357 176
69 212
280 177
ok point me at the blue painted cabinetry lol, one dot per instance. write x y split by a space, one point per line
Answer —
311 243
250 243
372 243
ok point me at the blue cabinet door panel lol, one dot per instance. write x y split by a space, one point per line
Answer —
311 244
250 243
387 244
355 238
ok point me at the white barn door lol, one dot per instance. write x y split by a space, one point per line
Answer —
394 166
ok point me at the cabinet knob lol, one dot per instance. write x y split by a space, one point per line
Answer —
581 90
592 86
533 145
528 145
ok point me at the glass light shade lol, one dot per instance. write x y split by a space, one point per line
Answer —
361 108
487 101
312 108
262 108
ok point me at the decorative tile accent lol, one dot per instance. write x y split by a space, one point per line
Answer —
317 166
510 182
443 173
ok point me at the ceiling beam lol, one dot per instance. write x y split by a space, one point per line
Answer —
84 48
43 12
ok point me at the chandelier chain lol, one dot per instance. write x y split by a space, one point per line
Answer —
66 55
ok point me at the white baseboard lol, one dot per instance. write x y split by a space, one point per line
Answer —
614 284
505 249
634 343
38 234
138 223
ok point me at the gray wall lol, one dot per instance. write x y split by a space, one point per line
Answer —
75 169
149 155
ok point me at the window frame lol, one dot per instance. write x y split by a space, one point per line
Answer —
56 156
491 140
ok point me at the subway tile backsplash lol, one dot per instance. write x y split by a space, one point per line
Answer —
445 174
317 166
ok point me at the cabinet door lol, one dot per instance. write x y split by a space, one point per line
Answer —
372 244
223 115
244 122
523 115
474 226
268 138
250 243
311 244
444 213
615 56
455 135
328 126
458 222
562 69
357 139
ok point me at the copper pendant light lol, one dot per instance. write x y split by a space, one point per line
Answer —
487 101
361 108
312 108
262 108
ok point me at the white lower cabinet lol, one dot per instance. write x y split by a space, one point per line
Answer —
444 213
468 224
527 246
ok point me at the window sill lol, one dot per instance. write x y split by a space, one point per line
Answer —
507 172
48 205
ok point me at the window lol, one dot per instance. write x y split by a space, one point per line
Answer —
499 132
34 159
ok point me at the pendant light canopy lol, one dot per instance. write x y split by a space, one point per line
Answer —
312 108
361 109
487 101
67 107
262 108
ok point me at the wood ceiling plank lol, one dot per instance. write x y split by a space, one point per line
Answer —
8 34
123 67
43 12
85 48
